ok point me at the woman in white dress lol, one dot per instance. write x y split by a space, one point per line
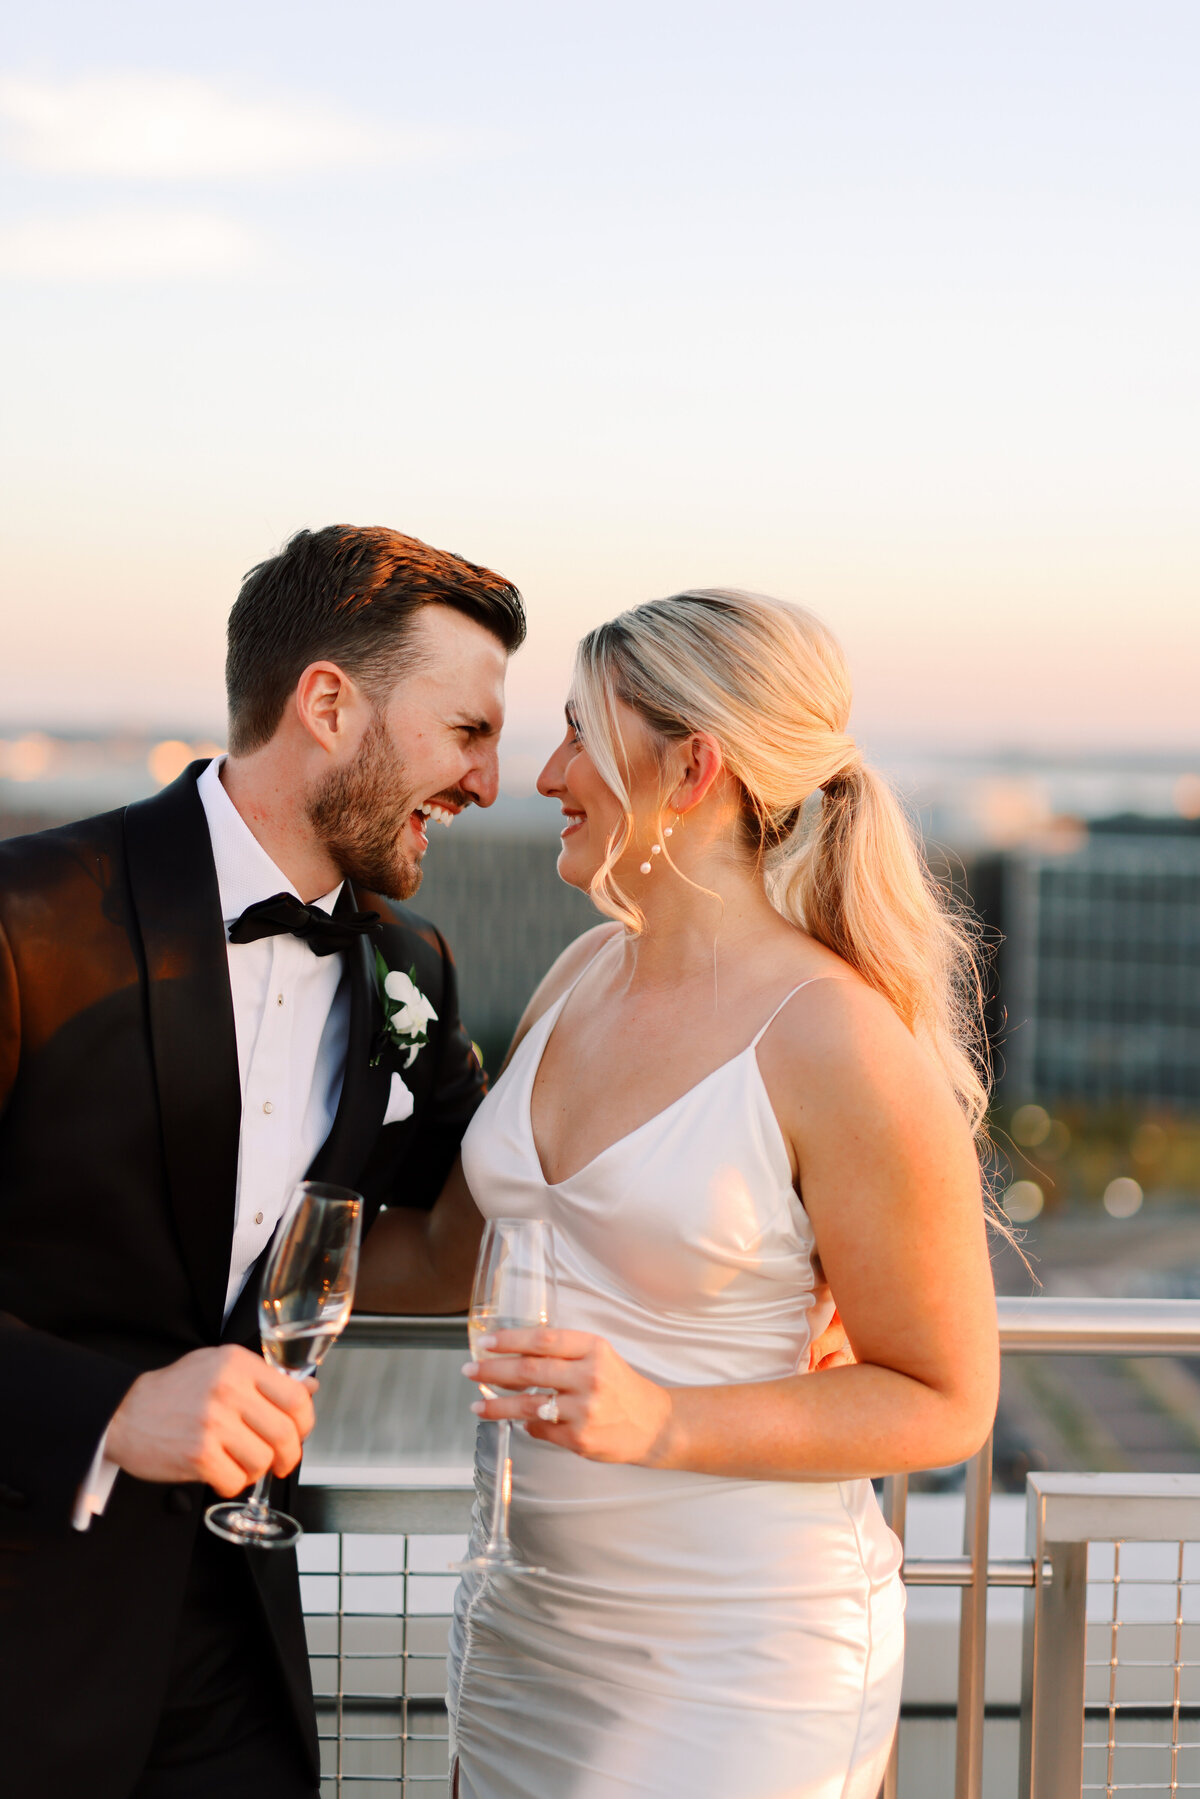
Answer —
770 1052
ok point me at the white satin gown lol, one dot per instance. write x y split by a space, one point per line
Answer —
693 1637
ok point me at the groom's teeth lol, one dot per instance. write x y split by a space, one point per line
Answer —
441 813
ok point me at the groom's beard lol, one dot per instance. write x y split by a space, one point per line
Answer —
360 813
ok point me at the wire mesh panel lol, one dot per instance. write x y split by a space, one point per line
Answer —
1111 1665
377 1602
377 1614
1142 1681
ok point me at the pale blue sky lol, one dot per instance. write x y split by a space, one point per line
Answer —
889 309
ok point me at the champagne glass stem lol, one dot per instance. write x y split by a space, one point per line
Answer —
257 1502
498 1536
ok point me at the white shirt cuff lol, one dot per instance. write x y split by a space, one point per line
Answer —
95 1487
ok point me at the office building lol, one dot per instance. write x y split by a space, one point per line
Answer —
1100 969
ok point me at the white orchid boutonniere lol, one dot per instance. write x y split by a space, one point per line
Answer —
407 1014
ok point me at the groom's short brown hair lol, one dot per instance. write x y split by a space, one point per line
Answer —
345 594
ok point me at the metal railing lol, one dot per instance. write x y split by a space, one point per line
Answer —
1108 1327
1125 1683
1027 1327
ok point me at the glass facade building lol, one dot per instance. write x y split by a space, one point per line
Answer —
1100 971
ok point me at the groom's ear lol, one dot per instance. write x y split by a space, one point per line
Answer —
331 708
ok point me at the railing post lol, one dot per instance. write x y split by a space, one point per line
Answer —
1053 1661
895 1512
972 1630
339 1769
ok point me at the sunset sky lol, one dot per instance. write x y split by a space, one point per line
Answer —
889 309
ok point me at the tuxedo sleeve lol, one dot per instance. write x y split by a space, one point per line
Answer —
459 1086
56 1399
56 1402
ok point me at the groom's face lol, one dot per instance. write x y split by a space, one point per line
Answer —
428 751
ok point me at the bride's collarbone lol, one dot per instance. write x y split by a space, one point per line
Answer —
652 1043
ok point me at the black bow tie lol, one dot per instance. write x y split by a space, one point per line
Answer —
283 912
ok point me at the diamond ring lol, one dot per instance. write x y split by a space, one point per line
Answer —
548 1410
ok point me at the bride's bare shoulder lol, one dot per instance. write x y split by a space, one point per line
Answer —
563 971
842 1067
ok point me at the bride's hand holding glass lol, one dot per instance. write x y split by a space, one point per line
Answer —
588 1400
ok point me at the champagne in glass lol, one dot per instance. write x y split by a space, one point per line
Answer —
299 1349
514 1290
304 1301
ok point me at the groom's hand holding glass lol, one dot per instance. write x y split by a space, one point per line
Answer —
222 1416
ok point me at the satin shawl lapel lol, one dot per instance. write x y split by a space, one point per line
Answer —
173 882
356 1125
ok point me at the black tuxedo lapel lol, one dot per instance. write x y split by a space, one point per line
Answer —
363 1101
173 883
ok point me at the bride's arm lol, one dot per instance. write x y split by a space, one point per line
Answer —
891 1183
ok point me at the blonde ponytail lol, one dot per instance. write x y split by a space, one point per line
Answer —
856 880
770 683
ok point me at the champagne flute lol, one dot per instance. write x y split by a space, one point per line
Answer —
514 1290
304 1301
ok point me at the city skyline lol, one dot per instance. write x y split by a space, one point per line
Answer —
965 801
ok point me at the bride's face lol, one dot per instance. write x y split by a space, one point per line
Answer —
591 810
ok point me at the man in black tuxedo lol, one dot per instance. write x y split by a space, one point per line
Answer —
174 1055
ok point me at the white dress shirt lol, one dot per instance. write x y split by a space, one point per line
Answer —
291 1014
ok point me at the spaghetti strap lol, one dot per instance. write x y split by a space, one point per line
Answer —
811 982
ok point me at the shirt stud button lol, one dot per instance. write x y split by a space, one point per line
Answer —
267 1106
279 999
258 1218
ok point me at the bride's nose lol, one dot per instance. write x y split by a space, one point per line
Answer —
550 781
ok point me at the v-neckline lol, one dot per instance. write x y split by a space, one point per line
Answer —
554 1014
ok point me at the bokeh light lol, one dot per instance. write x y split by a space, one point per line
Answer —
1122 1197
1187 796
26 758
1058 1139
1030 1126
1023 1201
168 759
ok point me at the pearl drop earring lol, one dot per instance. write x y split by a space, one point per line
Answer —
656 849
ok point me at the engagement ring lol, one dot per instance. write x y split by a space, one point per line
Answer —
548 1410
